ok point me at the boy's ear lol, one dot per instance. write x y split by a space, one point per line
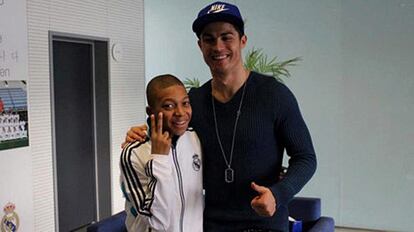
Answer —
199 43
149 110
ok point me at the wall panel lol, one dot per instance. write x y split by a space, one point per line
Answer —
120 21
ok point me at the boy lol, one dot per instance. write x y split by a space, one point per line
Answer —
162 177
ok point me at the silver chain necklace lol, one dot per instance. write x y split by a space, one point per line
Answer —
228 172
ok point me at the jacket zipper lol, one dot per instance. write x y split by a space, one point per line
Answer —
180 183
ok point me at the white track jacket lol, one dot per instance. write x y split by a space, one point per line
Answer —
163 192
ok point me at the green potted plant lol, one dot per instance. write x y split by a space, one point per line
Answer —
257 61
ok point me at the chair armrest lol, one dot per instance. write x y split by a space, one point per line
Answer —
324 224
114 223
305 208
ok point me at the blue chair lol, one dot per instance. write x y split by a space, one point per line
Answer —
114 223
305 209
308 210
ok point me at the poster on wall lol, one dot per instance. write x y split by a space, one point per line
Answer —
13 77
13 114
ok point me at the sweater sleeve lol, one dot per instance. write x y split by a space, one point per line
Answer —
148 184
296 139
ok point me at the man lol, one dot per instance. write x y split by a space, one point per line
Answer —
245 120
161 178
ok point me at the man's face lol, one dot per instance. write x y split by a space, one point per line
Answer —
221 46
174 103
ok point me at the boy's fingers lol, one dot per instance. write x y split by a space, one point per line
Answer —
153 129
167 137
166 134
159 123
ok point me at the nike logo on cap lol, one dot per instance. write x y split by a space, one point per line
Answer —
217 8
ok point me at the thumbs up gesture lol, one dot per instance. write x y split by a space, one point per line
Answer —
264 203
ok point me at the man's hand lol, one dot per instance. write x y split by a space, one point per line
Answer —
160 141
264 204
135 133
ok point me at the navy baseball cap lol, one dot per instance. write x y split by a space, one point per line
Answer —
218 12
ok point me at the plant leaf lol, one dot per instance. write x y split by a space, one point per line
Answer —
257 61
191 83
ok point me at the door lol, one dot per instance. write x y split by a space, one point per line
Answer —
80 174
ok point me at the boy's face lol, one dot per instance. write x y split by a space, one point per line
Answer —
174 103
221 46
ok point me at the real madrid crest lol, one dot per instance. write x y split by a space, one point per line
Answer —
10 221
196 162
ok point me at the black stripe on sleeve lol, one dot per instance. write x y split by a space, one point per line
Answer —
132 180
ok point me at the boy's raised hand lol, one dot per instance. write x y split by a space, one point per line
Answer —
160 141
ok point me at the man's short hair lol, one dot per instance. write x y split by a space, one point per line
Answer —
160 82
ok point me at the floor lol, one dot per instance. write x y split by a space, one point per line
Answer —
341 229
80 230
336 230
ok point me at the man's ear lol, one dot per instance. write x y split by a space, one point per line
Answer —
149 110
243 40
199 43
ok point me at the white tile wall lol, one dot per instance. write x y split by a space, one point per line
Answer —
122 22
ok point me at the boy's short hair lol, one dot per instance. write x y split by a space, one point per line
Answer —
160 82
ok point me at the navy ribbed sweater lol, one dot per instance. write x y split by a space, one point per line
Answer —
270 122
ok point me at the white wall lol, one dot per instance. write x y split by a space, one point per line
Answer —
120 21
15 164
354 85
377 152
